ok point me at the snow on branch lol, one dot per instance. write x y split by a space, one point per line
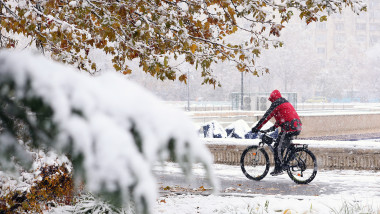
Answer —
113 130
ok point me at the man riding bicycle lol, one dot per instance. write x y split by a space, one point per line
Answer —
286 118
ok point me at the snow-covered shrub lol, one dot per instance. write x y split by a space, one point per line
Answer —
250 135
213 129
87 203
200 131
237 129
114 130
49 182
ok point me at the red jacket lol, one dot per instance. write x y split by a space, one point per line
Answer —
284 113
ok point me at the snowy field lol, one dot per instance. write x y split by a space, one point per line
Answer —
331 192
358 192
189 204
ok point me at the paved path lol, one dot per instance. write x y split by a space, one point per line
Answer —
232 181
348 137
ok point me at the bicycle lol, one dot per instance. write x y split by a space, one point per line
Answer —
299 162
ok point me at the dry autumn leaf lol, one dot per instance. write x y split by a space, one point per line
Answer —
193 48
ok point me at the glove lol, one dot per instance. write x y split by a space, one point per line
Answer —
255 130
271 129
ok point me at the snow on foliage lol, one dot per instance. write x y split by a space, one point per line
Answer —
27 179
237 129
250 135
213 129
113 129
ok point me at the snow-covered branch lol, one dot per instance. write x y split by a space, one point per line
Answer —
114 130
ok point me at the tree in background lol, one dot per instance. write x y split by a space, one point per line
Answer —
296 61
160 32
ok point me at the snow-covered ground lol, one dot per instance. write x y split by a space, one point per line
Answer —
337 192
355 192
188 204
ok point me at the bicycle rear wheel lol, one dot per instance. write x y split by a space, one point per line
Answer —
254 163
302 166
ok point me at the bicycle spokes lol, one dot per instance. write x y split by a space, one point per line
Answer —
302 166
254 163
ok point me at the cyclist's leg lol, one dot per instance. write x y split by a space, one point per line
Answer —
287 140
277 153
283 144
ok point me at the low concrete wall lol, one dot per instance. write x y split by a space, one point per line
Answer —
316 125
327 158
332 125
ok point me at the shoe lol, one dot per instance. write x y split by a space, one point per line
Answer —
276 172
284 167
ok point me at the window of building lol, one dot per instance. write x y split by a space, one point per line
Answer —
340 37
321 26
374 39
320 38
374 4
361 26
374 27
339 26
374 14
361 38
321 50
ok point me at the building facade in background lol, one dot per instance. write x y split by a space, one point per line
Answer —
362 30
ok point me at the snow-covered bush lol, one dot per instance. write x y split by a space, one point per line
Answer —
113 130
250 135
87 203
237 129
48 182
213 129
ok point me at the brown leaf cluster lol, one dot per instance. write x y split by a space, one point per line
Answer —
153 30
54 186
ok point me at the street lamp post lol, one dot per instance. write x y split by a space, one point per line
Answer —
188 91
242 91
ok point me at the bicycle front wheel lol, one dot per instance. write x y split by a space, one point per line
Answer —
254 163
302 166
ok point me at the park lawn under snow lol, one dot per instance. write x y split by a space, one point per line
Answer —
359 199
352 196
244 204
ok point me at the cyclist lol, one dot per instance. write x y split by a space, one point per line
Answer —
286 118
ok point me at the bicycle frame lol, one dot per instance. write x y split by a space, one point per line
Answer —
292 146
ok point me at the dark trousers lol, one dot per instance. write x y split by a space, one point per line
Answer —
282 142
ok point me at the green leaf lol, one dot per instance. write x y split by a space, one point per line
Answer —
323 18
166 61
